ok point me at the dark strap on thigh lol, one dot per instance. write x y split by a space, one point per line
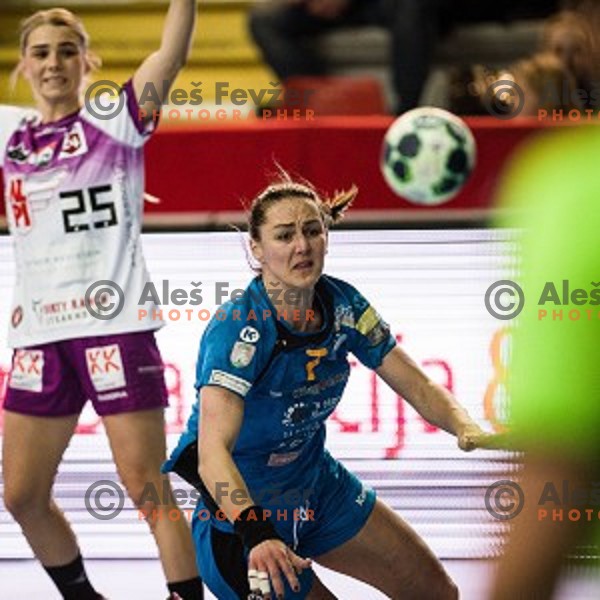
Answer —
230 558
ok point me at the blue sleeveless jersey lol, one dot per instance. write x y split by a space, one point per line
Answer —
290 381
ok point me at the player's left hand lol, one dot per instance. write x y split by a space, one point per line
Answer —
471 436
273 560
468 436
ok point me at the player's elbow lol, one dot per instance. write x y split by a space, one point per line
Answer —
206 467
180 61
171 68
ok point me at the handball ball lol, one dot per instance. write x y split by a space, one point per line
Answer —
428 155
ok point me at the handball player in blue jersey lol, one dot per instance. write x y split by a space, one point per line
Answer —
272 367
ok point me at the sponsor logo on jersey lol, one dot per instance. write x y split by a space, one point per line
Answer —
296 413
19 205
36 307
49 130
373 327
242 354
338 342
344 315
360 499
59 312
318 388
231 382
17 317
250 335
18 154
359 302
74 142
367 321
280 460
378 334
43 155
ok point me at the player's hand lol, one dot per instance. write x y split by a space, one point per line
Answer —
472 436
268 561
327 9
469 435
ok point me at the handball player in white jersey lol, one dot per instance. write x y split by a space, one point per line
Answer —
74 181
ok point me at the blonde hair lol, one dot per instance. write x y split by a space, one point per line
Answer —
57 17
332 209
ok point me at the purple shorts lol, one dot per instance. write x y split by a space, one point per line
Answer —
118 373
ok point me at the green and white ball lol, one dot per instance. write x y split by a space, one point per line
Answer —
428 155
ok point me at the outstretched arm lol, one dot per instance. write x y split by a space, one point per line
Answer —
164 64
432 401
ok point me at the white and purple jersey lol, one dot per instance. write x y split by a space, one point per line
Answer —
74 201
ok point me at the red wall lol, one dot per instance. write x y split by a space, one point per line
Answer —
209 169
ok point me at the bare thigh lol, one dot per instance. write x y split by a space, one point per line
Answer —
319 592
137 441
388 555
32 448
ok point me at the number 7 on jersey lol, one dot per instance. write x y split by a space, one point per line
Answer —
316 354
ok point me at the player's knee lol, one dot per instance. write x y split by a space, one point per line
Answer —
145 489
24 502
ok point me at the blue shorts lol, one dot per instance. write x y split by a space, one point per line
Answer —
311 522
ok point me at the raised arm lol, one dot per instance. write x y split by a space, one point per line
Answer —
164 64
222 414
432 401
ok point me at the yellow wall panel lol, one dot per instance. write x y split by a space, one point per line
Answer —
123 35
